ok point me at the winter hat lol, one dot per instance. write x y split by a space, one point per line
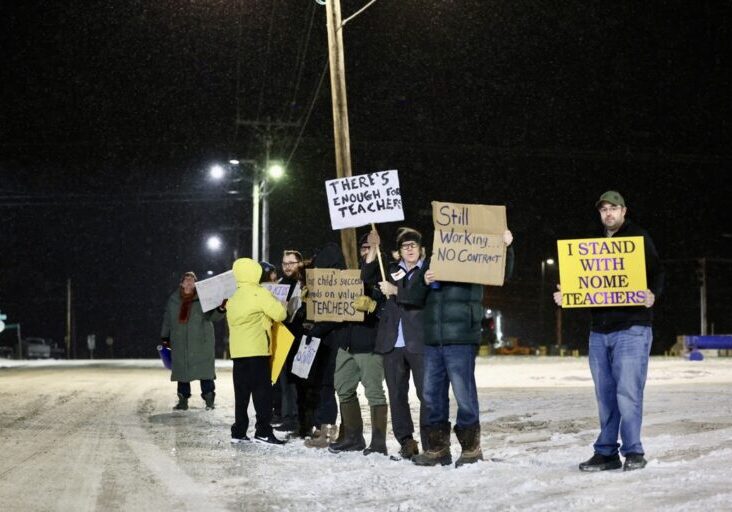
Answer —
188 274
267 269
611 196
408 235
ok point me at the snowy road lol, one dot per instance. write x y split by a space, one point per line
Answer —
104 437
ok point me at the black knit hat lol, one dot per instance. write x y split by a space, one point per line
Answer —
408 235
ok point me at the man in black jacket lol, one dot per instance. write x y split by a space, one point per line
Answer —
620 345
400 335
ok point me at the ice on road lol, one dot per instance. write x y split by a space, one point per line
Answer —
102 435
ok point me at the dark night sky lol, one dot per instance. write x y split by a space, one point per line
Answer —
113 111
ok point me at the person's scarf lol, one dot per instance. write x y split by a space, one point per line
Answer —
186 300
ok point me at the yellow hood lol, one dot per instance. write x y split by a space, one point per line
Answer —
246 270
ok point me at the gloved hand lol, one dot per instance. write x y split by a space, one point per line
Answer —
222 307
365 304
387 288
304 293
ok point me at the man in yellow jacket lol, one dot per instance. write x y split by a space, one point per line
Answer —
250 313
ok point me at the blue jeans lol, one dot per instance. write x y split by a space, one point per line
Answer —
450 365
619 365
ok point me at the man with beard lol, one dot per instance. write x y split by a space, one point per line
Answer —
620 345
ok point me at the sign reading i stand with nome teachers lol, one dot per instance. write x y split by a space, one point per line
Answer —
597 272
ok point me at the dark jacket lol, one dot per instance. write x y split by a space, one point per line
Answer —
453 311
329 333
360 337
610 319
397 308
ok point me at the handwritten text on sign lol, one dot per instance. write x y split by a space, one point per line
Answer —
468 243
597 272
360 200
331 293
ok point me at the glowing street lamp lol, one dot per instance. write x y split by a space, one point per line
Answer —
214 243
217 172
261 179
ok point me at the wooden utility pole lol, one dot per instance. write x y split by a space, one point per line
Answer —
340 115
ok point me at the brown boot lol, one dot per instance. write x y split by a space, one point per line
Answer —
378 430
409 449
322 437
439 447
469 438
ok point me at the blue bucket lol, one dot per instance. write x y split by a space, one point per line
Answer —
165 356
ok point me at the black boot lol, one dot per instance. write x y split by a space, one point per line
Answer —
209 399
182 404
600 462
439 447
469 438
634 461
353 440
378 430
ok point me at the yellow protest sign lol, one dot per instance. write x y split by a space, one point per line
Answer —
468 244
282 340
598 272
331 293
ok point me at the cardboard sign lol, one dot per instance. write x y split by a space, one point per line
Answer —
282 340
598 272
468 245
331 293
305 356
360 200
212 291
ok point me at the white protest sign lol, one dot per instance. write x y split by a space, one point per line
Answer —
213 291
305 356
280 291
360 200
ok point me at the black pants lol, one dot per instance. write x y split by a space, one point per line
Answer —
252 378
397 365
207 386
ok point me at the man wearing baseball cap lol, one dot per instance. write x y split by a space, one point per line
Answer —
620 345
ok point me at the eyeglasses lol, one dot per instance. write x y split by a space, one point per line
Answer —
608 209
408 245
289 263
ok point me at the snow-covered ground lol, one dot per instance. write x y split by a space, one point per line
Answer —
101 435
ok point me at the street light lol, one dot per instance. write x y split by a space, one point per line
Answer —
213 243
274 172
217 172
260 179
542 301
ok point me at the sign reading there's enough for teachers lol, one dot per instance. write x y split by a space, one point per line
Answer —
360 200
597 272
468 245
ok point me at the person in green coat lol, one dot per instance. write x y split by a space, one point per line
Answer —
190 334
